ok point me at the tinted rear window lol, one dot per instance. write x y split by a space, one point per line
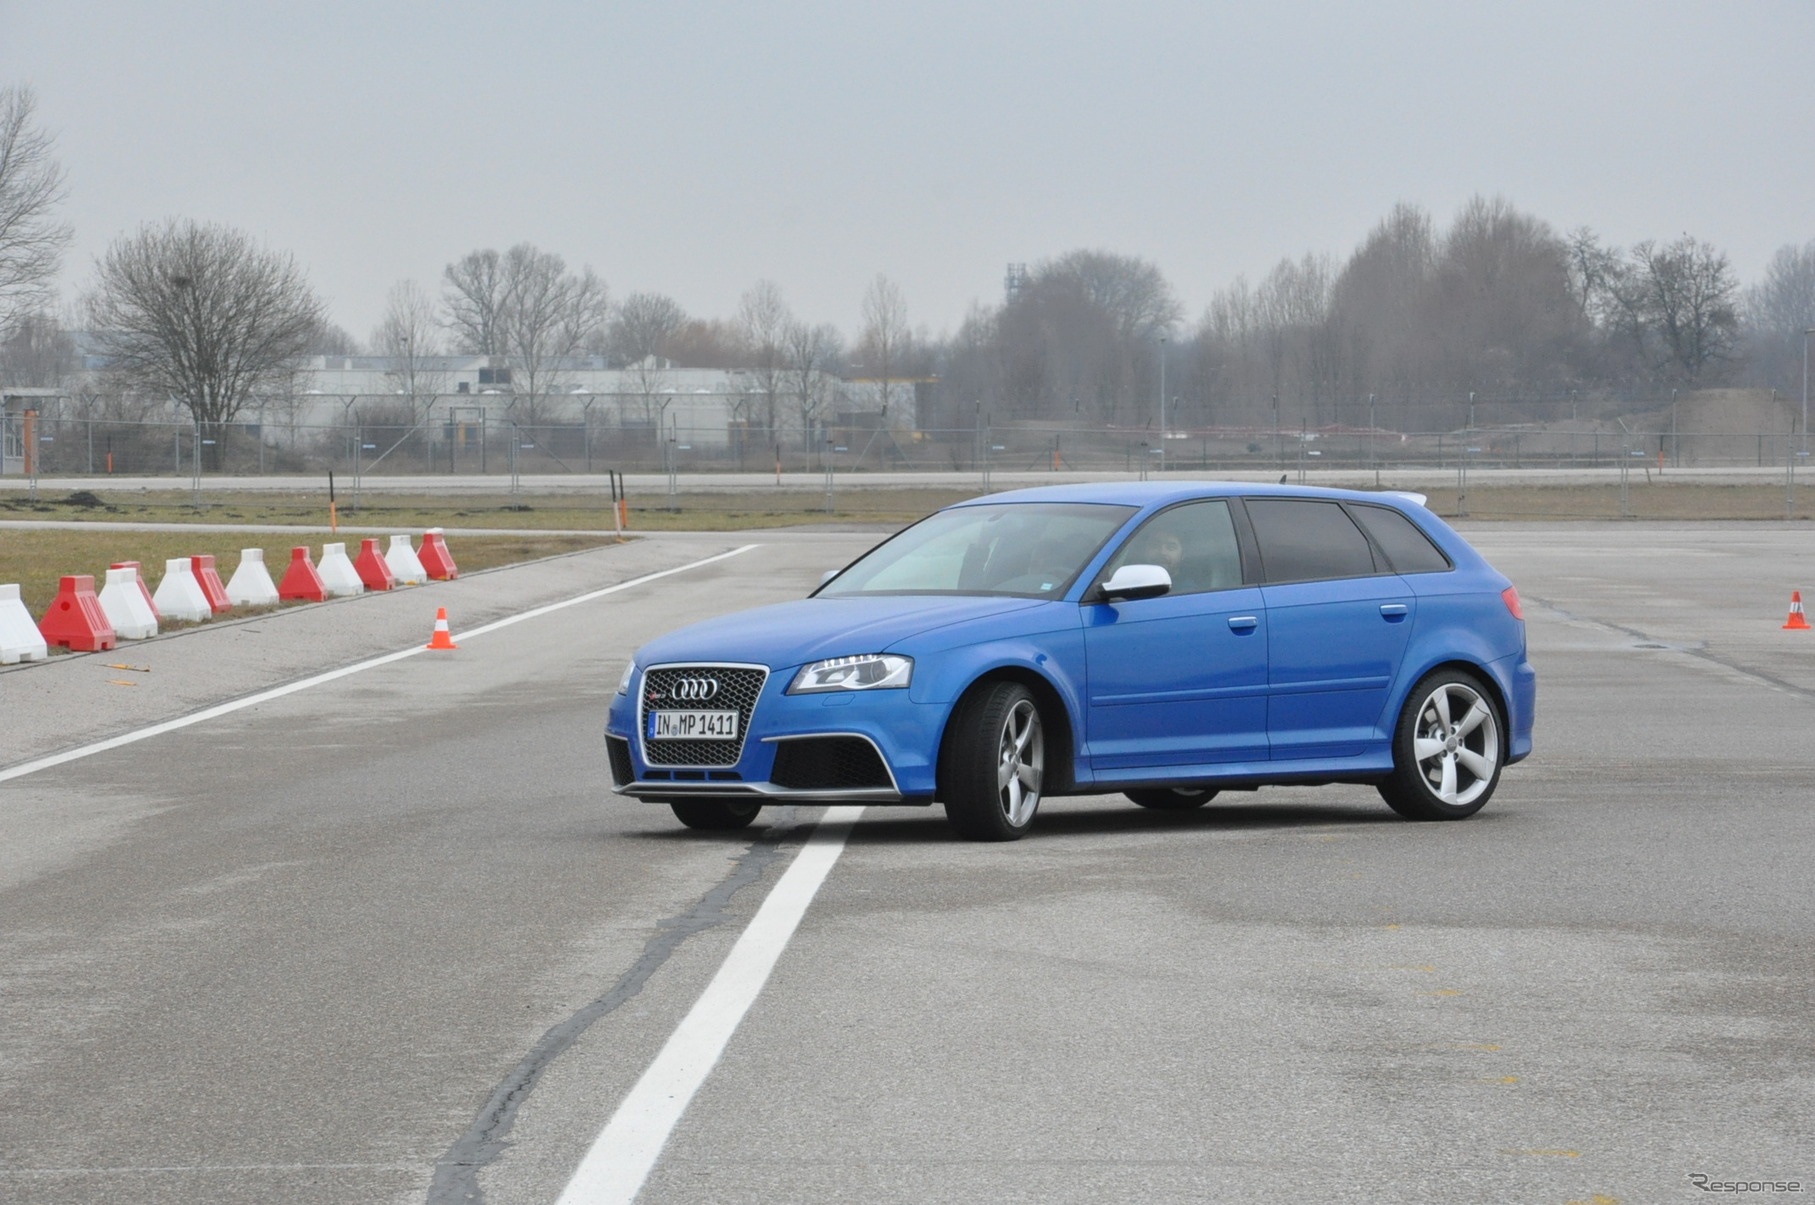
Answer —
1407 548
1303 540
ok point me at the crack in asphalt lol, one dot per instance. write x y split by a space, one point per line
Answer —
1648 641
457 1172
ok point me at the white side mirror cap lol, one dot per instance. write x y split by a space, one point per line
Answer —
1137 581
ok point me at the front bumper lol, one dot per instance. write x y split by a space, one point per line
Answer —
761 792
903 734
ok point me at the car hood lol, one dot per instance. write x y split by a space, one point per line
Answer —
808 629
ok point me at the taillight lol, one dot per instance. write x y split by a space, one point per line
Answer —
1510 596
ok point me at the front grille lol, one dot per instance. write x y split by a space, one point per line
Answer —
738 688
618 750
828 763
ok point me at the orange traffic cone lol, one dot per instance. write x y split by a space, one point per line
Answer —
442 638
1797 622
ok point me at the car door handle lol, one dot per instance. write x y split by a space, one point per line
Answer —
1393 612
1243 623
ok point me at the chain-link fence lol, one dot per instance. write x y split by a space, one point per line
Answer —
79 446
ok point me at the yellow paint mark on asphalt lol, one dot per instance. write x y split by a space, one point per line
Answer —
137 669
1475 1046
1560 1154
1393 926
1442 991
120 682
1502 1079
1598 1199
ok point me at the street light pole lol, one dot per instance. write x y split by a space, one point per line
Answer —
1163 403
1805 389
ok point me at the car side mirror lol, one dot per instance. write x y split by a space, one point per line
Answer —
1135 581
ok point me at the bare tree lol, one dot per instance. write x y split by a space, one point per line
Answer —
1132 291
885 339
1778 310
1083 332
640 331
706 343
335 340
548 315
1689 294
474 294
812 357
643 325
1501 304
409 336
1784 301
764 320
31 186
201 314
37 350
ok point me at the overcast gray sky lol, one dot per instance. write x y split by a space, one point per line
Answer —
694 146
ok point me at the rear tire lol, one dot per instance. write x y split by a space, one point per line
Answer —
714 815
1171 799
993 763
1447 749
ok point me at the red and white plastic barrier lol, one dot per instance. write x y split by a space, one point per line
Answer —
139 571
210 581
436 559
405 565
179 595
337 572
75 619
251 585
301 582
125 606
372 568
20 639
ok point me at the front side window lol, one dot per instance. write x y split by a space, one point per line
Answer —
1194 543
1028 549
1303 540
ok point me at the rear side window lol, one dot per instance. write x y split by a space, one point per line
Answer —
1304 541
1407 548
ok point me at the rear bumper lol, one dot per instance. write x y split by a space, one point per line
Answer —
1522 704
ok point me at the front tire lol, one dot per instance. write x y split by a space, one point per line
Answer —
1447 749
993 763
714 815
1171 799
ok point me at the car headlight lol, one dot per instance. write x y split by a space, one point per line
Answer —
630 671
872 671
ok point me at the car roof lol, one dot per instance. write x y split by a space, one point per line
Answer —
1145 494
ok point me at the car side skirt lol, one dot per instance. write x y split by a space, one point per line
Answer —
1301 771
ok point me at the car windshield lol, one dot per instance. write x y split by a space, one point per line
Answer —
1025 549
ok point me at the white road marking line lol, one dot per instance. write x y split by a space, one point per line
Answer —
622 1156
221 709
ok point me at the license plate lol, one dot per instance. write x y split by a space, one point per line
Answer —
693 725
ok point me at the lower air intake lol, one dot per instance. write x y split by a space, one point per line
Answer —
829 763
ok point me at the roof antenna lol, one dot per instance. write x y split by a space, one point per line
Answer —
1282 478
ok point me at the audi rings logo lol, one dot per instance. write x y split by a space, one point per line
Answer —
694 690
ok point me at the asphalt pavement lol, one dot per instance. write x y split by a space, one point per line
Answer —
389 937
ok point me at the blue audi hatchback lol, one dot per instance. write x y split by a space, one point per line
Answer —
1163 640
